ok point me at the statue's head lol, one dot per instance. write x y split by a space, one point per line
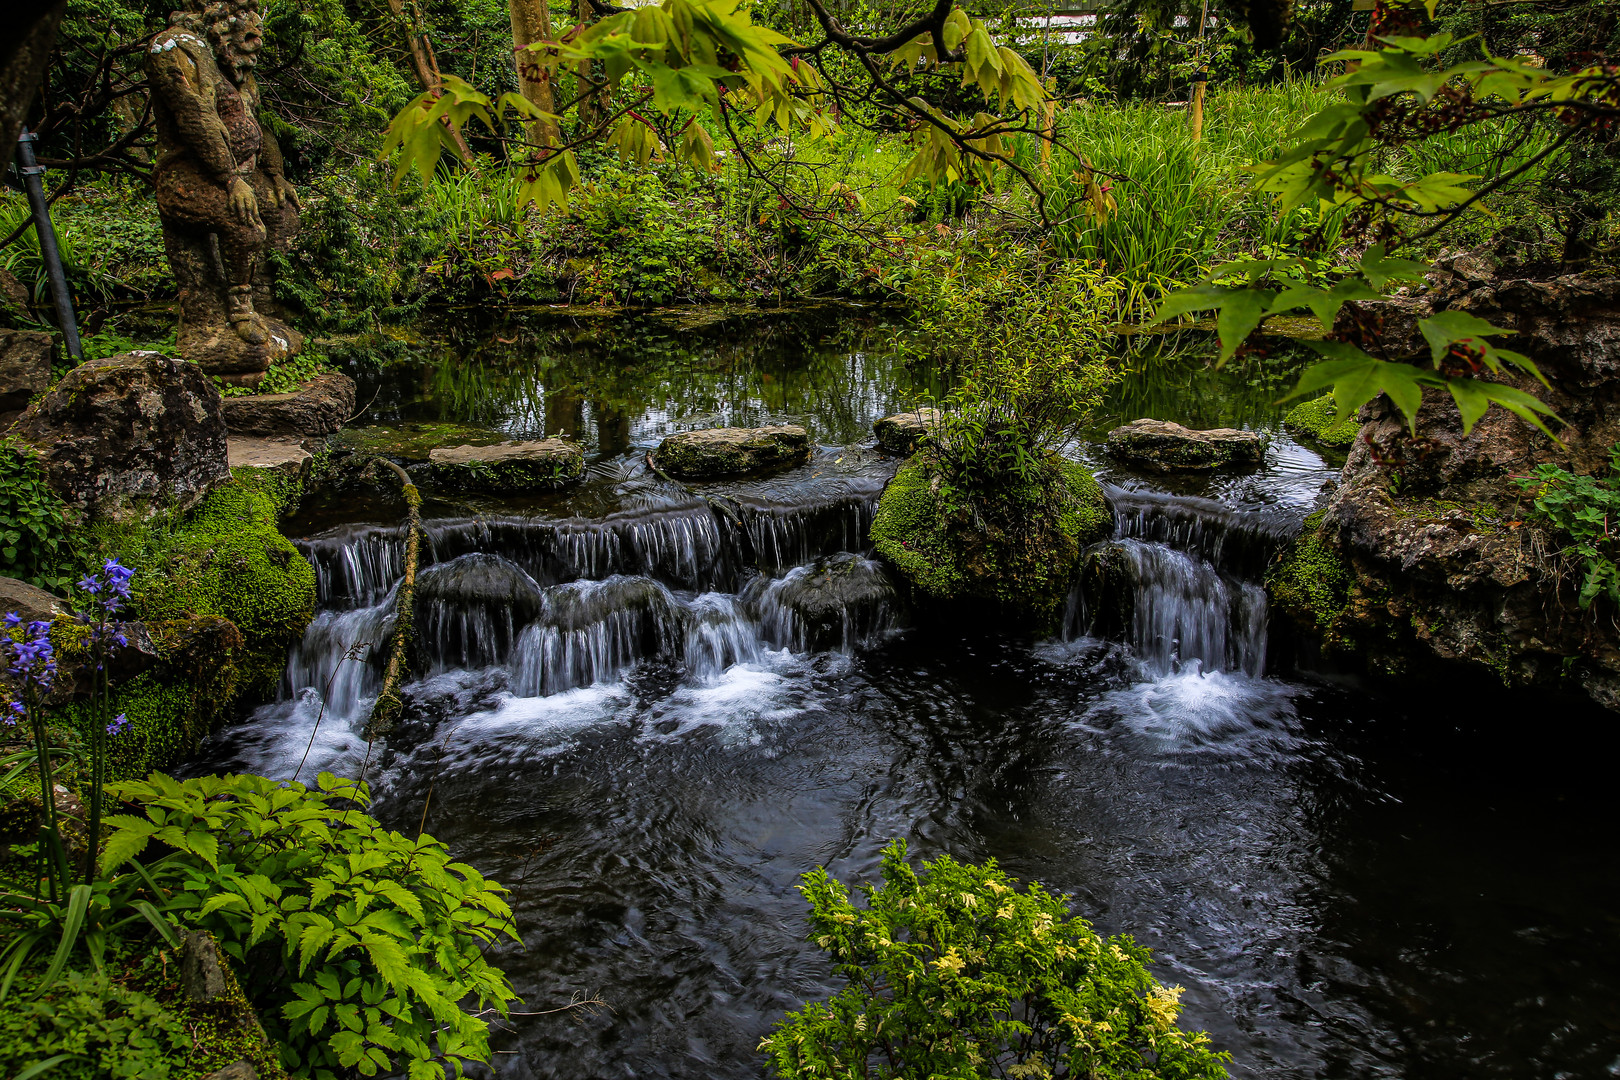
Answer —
235 31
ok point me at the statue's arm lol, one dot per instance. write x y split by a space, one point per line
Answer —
270 159
177 77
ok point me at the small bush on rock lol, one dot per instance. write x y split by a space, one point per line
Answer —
953 972
34 542
94 1029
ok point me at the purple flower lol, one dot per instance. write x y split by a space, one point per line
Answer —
119 724
13 619
90 585
39 629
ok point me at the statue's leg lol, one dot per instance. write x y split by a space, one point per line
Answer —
280 227
192 203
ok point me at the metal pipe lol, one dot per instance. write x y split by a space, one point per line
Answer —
33 176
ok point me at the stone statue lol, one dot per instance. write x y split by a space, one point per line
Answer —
222 197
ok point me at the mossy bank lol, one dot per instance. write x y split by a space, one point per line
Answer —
1022 563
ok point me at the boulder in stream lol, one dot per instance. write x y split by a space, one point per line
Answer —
835 602
719 452
470 610
1164 446
129 436
903 432
508 467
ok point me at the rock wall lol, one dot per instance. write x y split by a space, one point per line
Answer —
1426 549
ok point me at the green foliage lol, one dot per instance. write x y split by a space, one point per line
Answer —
1318 419
35 544
365 942
954 972
1587 510
284 376
92 1029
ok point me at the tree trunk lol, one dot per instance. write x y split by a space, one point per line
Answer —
531 22
426 67
27 33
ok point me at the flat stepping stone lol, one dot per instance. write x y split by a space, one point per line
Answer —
900 433
717 452
319 407
1163 446
284 457
512 466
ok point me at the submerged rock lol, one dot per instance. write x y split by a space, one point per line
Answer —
903 432
317 408
1163 446
1024 567
470 610
837 602
516 466
717 452
126 437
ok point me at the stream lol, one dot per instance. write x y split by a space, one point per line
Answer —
619 717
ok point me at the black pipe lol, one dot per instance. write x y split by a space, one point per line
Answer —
33 175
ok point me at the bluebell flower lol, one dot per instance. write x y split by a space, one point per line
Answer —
119 724
90 584
39 629
13 619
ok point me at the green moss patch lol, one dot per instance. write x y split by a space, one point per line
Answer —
1315 419
413 442
1025 566
1311 582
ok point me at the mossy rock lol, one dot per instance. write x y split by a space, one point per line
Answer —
1311 583
1025 566
412 441
1314 419
507 467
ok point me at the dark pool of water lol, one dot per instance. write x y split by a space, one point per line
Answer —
1407 882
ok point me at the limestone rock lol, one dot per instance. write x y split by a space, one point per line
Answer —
718 452
900 433
837 602
284 457
319 407
1163 446
25 367
201 975
524 465
125 437
30 603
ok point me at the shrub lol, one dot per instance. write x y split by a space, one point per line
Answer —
362 943
953 972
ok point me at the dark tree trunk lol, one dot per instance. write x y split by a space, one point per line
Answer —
27 34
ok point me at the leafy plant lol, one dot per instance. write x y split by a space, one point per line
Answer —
368 941
954 971
283 377
1587 510
88 1027
35 544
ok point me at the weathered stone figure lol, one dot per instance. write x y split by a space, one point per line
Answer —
223 199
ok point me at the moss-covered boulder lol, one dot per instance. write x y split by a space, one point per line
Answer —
507 467
1022 559
1163 446
1316 419
718 452
1310 582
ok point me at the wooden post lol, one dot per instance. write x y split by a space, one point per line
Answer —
1200 78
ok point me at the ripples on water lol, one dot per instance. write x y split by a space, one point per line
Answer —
620 720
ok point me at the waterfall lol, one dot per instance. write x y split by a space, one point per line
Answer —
1186 611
